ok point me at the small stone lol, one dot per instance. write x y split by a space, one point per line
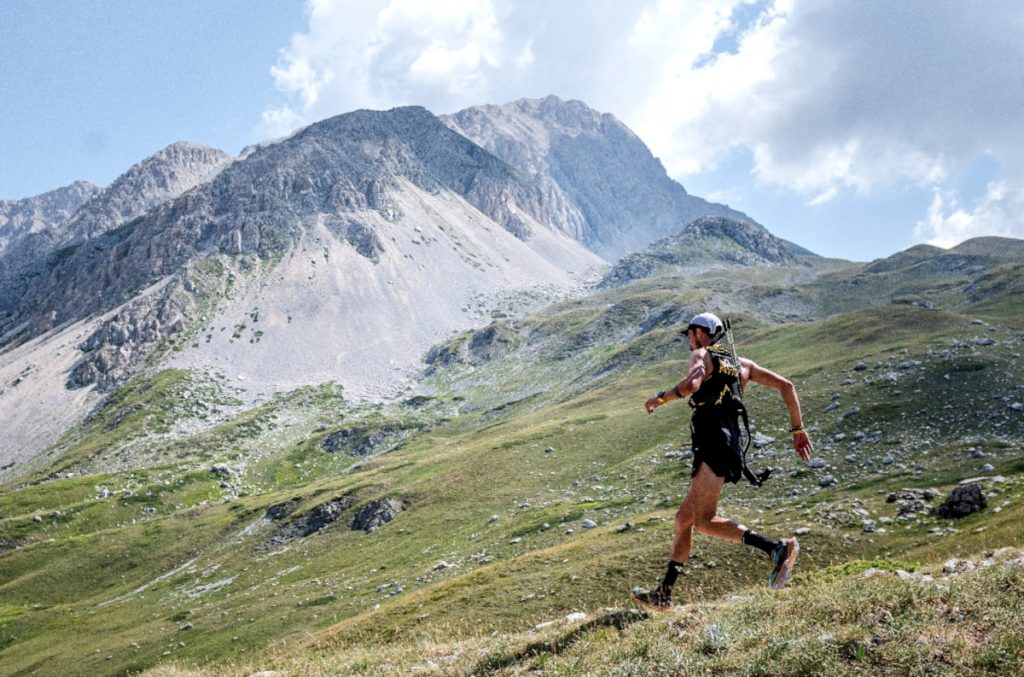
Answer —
549 450
869 526
545 526
1017 406
957 566
441 566
888 460
186 626
495 518
988 467
625 527
37 518
853 411
515 540
802 531
818 463
860 366
588 524
827 481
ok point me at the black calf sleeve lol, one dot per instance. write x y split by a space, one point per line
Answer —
758 541
670 576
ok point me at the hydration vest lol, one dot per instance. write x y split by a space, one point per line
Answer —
721 390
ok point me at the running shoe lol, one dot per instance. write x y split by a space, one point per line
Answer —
783 558
656 599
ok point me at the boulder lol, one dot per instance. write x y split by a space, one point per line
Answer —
376 514
221 469
359 441
304 525
962 501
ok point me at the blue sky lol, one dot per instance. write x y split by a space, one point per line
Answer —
855 129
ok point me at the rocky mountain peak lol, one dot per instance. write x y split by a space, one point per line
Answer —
749 236
157 179
162 176
602 185
568 116
19 218
706 242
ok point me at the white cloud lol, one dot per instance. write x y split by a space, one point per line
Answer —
826 97
997 213
385 53
278 122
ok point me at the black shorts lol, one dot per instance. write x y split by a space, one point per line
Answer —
717 441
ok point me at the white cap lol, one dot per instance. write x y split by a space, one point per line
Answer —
709 322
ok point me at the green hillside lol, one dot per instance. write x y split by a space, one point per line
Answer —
231 548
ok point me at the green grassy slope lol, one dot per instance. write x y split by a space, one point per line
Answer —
867 617
538 422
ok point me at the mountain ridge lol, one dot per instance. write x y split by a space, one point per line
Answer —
595 170
154 180
705 242
21 217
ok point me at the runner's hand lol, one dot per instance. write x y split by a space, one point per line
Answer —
802 445
651 404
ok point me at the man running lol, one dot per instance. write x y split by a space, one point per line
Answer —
715 380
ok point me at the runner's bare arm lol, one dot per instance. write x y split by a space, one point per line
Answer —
690 383
766 377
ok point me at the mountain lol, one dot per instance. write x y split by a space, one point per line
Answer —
976 273
353 164
341 253
162 176
20 218
156 179
601 183
705 242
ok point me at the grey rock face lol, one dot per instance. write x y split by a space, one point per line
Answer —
376 514
362 441
20 218
164 175
157 179
306 524
600 183
112 352
491 342
264 202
